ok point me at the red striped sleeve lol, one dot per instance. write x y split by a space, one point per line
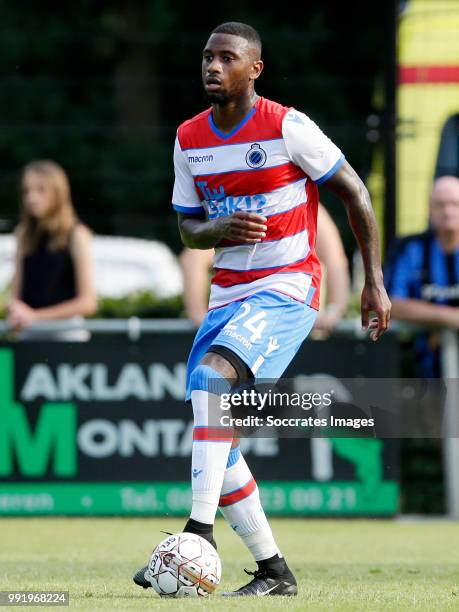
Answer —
238 495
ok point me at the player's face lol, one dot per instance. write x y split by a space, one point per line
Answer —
229 65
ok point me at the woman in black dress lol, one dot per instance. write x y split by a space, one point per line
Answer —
53 276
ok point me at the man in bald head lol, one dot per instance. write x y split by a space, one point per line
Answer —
422 274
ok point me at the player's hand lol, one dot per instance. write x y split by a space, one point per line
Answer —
375 299
243 227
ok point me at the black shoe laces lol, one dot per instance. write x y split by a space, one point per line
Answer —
259 573
252 587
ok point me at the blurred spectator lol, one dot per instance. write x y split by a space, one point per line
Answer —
422 273
335 279
53 274
197 263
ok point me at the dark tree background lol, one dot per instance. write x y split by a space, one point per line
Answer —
101 87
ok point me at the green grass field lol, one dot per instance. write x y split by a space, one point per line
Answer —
340 565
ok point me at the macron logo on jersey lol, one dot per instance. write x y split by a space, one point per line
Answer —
200 159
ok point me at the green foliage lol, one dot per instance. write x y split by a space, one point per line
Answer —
142 304
3 302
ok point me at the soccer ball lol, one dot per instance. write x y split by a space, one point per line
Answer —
184 565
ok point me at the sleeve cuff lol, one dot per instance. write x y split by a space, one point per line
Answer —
331 172
188 210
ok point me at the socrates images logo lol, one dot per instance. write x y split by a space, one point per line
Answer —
256 156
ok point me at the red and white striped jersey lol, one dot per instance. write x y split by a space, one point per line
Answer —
271 163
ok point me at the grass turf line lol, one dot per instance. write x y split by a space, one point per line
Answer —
340 565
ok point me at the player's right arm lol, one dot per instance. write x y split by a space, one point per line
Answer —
196 231
240 227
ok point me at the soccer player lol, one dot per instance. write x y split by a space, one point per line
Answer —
246 176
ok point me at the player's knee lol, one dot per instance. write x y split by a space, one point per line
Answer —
206 378
221 365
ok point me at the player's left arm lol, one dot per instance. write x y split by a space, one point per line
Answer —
348 186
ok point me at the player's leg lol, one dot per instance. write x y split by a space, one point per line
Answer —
267 343
211 446
206 377
222 477
206 370
241 506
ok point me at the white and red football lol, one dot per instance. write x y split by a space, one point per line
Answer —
184 565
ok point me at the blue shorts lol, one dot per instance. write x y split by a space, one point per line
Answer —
265 330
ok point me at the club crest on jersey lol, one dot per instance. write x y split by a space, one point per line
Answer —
256 156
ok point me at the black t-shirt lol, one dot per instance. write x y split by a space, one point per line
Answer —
48 277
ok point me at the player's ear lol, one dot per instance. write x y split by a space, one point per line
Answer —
256 70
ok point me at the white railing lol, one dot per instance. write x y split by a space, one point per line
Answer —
134 327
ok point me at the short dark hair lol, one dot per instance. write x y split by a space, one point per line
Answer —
236 28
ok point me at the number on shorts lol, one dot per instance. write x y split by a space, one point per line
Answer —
246 309
257 330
